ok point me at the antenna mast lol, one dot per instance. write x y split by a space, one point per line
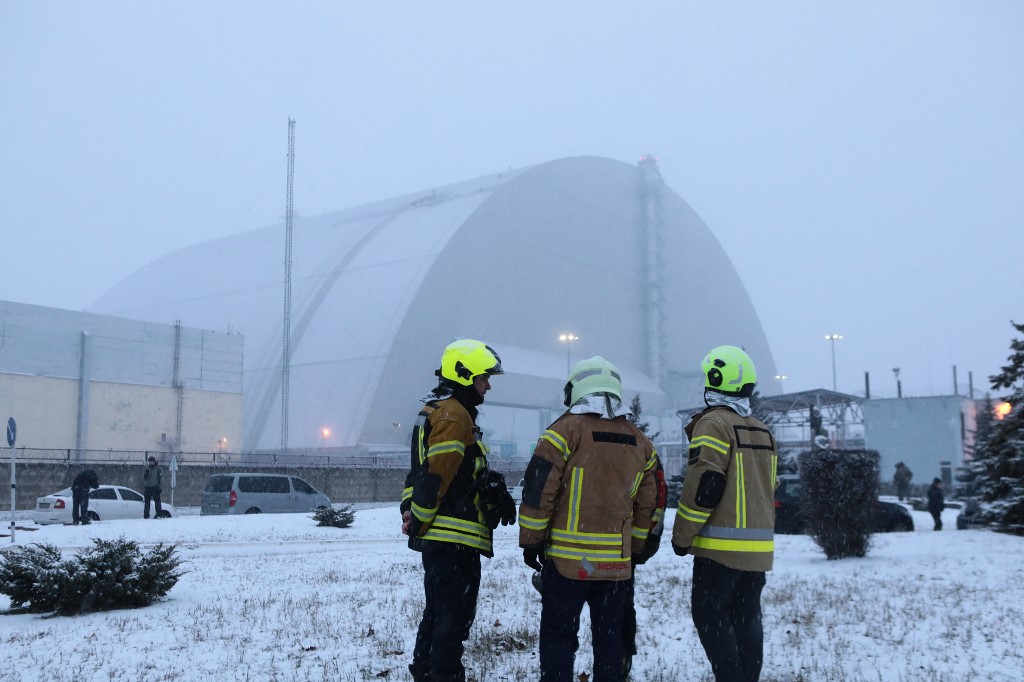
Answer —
286 341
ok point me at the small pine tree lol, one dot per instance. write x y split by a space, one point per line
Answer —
975 468
335 518
985 427
1001 481
635 412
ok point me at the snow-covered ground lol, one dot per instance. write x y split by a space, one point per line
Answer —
274 597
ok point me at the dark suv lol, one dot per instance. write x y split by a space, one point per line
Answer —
889 516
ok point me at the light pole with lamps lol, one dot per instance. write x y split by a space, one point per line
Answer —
568 339
325 432
832 338
780 378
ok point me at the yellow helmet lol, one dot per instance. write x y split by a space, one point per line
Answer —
464 359
729 370
593 375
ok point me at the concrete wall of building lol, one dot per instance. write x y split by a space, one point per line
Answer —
45 409
127 417
95 382
121 416
921 432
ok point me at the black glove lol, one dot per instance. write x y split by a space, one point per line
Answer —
649 550
490 484
680 551
507 508
533 556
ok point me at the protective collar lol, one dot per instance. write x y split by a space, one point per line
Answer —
467 396
740 406
605 405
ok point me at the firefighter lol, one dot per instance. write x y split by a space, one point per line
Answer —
587 509
726 516
450 506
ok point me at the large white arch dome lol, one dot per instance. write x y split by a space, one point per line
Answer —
587 245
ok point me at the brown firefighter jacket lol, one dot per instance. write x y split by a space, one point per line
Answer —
727 507
589 496
446 457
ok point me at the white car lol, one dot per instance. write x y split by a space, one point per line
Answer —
105 503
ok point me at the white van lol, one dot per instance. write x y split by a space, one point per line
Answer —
517 491
252 493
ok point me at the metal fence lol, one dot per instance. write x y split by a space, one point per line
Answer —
347 458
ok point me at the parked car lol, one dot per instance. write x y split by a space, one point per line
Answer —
968 516
516 491
106 503
254 493
889 516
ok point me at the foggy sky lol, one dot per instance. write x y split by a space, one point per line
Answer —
861 163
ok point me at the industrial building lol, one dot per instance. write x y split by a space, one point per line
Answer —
80 382
597 251
933 435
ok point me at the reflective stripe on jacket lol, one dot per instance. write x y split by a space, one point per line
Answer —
446 455
589 496
737 529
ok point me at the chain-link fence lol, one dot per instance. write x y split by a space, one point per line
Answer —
355 458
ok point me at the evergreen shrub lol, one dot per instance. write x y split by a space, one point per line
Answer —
839 499
112 574
335 518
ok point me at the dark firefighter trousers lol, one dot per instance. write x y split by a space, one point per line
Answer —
451 582
79 505
154 495
726 606
562 602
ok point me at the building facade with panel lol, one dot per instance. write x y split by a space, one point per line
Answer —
82 381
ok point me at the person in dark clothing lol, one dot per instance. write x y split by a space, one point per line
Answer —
80 487
152 484
902 480
936 502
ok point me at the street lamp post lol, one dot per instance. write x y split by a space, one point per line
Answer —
780 378
832 338
325 432
568 339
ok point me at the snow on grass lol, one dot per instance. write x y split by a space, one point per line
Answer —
275 597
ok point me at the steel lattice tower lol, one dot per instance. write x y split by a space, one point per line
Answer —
286 341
